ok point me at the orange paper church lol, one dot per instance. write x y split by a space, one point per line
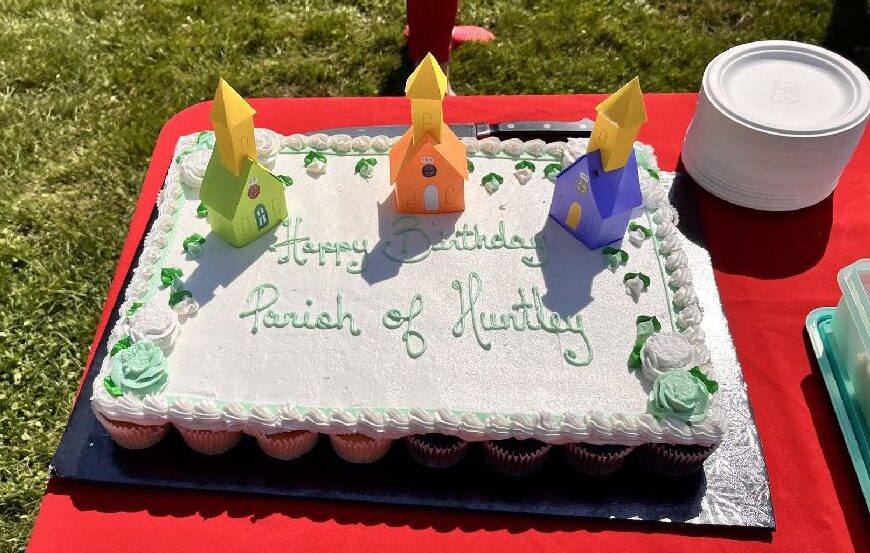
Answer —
428 165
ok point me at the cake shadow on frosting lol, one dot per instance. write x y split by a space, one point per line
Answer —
379 267
568 282
220 264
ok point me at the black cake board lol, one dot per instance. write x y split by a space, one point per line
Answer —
86 453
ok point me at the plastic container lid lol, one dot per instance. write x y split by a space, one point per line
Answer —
855 283
788 88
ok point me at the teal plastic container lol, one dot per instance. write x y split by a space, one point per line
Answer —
850 326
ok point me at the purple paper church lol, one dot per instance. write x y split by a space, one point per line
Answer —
595 205
595 195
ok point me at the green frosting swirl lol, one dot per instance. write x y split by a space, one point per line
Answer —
680 395
140 369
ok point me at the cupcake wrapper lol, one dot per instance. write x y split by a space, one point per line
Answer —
593 463
287 445
353 449
134 436
210 442
513 463
432 455
669 460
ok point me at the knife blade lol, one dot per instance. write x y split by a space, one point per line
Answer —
547 131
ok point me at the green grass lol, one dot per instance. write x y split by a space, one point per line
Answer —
85 87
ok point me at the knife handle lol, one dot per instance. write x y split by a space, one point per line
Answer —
544 130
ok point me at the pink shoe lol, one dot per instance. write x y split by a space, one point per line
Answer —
462 34
469 33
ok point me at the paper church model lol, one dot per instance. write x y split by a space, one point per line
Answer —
594 196
244 199
428 165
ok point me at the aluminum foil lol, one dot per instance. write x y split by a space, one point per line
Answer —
737 491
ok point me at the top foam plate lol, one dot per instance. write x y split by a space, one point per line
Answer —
788 88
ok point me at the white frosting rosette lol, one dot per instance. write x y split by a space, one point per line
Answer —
317 141
192 168
634 287
316 168
536 147
637 237
295 141
513 147
268 147
154 322
341 142
361 143
490 145
366 171
523 175
472 145
665 352
556 149
577 146
380 143
187 307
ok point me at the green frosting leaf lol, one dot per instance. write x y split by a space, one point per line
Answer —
134 307
121 344
288 181
470 166
679 395
177 295
552 169
646 327
634 226
311 156
113 390
712 385
192 243
653 173
525 164
643 278
615 256
201 210
140 369
492 182
169 274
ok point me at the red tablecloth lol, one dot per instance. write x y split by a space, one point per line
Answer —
772 269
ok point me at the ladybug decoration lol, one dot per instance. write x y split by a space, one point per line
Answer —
254 191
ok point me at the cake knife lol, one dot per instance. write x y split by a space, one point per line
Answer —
547 131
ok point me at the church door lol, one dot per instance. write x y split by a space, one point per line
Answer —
261 216
573 216
430 198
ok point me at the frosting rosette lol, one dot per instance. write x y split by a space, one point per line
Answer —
192 167
140 369
268 145
664 352
679 395
155 323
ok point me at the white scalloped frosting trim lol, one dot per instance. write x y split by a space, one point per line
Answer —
593 427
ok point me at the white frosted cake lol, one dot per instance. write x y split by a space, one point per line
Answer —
353 320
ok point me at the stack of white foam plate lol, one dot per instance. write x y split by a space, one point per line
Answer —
776 123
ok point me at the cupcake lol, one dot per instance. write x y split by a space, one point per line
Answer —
287 445
210 442
356 448
596 460
436 450
133 436
516 457
674 460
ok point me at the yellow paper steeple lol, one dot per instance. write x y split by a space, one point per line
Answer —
233 120
426 88
620 116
